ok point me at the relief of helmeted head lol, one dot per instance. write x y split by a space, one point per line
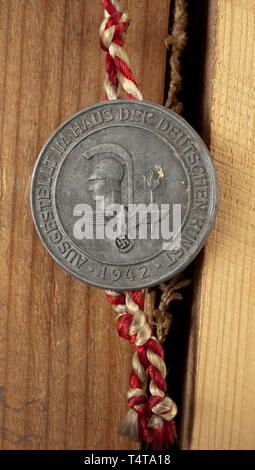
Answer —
106 179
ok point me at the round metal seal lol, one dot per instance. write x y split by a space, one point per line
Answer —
124 194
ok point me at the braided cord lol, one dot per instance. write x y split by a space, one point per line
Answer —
112 37
148 419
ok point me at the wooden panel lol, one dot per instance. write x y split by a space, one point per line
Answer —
219 408
63 369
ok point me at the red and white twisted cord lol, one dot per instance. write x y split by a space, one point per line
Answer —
148 419
112 37
130 326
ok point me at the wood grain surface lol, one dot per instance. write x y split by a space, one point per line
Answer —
63 369
219 407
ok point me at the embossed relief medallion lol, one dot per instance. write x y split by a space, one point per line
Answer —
103 164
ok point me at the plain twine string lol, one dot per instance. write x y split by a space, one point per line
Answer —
176 41
150 418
